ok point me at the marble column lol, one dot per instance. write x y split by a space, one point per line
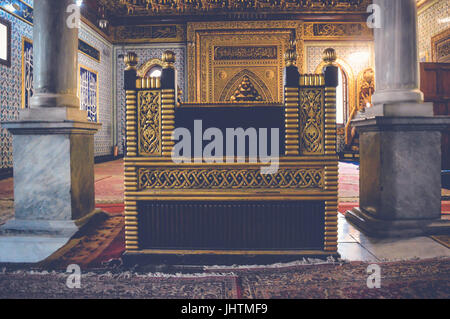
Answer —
396 62
53 146
400 140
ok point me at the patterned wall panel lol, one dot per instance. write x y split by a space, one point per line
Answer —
10 85
431 22
344 51
104 138
144 54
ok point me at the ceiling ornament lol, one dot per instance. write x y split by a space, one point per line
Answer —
156 7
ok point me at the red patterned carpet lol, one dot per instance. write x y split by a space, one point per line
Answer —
410 279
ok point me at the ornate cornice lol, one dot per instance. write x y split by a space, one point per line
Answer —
194 7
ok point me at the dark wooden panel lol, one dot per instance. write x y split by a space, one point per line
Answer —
231 225
234 117
435 85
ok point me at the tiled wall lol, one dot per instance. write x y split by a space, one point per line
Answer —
430 24
103 140
344 50
144 54
10 86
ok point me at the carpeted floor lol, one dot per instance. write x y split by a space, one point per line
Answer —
98 250
408 279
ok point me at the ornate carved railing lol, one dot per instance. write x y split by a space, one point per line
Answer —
223 208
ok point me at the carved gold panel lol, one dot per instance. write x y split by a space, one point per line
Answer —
149 33
224 56
312 112
149 122
229 178
337 31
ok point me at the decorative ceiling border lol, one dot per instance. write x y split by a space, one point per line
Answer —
337 31
133 8
151 33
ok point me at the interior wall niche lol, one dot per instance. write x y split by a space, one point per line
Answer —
221 54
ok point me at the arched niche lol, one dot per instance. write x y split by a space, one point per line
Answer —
235 81
351 83
143 70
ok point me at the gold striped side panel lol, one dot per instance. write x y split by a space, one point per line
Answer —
131 213
148 83
131 120
312 80
292 138
331 224
167 121
330 121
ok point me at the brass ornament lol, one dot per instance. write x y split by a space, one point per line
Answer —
329 56
168 59
246 92
131 61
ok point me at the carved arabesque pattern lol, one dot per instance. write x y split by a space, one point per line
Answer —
149 122
194 178
312 120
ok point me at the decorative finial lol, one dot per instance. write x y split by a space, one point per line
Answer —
290 56
329 56
168 59
131 60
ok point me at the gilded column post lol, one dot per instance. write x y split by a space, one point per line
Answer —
331 171
168 102
130 174
291 102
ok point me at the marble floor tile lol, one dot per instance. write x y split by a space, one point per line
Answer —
403 248
345 230
355 252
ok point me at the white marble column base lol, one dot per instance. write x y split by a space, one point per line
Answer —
53 114
404 109
32 241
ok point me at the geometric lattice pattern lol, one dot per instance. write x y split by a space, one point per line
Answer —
197 178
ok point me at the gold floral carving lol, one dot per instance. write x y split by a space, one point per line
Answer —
440 47
149 123
312 120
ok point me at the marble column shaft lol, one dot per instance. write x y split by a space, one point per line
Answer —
396 62
55 55
53 146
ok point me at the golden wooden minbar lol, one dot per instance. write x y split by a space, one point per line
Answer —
226 211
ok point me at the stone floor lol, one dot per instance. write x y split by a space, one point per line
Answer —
355 246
